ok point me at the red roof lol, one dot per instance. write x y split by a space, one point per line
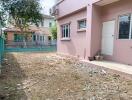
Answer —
37 30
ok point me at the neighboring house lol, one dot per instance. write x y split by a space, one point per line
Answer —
48 21
34 34
40 35
87 27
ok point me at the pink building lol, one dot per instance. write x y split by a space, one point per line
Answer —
87 27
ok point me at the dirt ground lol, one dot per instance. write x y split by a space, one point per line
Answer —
48 76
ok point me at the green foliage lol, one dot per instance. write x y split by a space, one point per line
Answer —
54 31
2 19
23 13
3 16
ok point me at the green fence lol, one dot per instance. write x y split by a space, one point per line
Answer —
1 48
51 48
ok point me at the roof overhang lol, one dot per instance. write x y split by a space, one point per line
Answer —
105 2
10 30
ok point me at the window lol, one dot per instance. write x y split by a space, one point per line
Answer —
49 38
42 23
50 24
65 31
43 38
40 38
82 24
18 37
125 27
34 37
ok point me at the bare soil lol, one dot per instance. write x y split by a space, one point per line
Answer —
48 76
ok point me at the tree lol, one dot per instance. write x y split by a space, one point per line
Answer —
54 31
2 16
23 13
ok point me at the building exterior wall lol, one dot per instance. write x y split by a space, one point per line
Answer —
90 48
89 30
67 7
47 21
88 44
41 39
76 45
122 47
96 31
10 36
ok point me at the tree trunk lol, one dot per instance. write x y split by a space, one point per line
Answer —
24 39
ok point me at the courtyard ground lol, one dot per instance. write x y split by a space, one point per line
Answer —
48 76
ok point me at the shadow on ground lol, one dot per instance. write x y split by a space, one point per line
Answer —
11 80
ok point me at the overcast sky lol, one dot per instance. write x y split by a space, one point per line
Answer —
46 5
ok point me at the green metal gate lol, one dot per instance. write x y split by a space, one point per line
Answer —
1 48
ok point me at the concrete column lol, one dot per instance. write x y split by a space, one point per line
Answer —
88 31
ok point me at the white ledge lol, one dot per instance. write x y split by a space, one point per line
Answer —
81 30
65 39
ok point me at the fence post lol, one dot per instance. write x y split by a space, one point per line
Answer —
1 50
0 53
1 45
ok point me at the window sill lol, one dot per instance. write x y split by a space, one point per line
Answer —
124 39
81 30
65 39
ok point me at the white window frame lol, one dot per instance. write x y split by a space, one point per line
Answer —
85 21
37 37
63 29
130 30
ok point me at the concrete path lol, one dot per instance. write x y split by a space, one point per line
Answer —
112 65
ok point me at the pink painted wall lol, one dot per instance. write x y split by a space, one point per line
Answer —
87 44
69 6
66 7
122 47
85 48
96 32
76 46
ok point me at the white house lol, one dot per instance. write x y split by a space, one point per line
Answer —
39 35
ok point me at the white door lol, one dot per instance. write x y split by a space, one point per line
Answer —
108 37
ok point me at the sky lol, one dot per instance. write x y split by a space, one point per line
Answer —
46 5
